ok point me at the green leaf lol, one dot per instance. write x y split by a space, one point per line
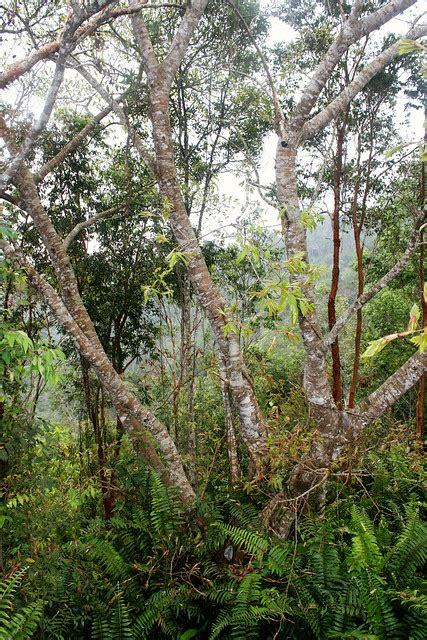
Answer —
409 46
414 316
242 255
420 340
190 633
7 232
394 150
374 348
293 306
230 327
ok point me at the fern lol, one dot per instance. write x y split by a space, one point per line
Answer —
378 610
23 624
110 559
121 626
279 559
249 541
154 607
165 514
365 550
101 630
245 515
410 550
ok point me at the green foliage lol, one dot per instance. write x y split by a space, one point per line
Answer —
21 624
159 572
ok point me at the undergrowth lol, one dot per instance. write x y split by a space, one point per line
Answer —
159 572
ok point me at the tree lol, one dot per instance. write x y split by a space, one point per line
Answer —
161 56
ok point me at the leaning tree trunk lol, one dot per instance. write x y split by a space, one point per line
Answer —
73 316
252 425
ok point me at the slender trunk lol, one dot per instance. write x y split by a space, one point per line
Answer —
358 223
191 424
94 415
332 316
253 427
187 373
422 395
233 459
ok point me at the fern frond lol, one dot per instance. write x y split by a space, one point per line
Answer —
101 630
165 514
121 626
280 559
247 540
24 624
21 625
378 609
245 515
365 551
110 559
410 550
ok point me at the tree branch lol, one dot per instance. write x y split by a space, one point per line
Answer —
389 392
145 154
44 117
376 288
88 223
137 418
340 103
146 49
70 326
70 146
182 38
17 69
278 111
352 31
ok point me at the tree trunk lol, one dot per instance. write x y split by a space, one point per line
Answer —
253 427
233 459
332 315
422 395
132 414
316 385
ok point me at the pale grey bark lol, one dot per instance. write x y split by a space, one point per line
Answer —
182 38
233 459
132 414
159 78
341 102
72 34
82 329
334 427
104 12
389 392
353 29
316 382
88 223
378 286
